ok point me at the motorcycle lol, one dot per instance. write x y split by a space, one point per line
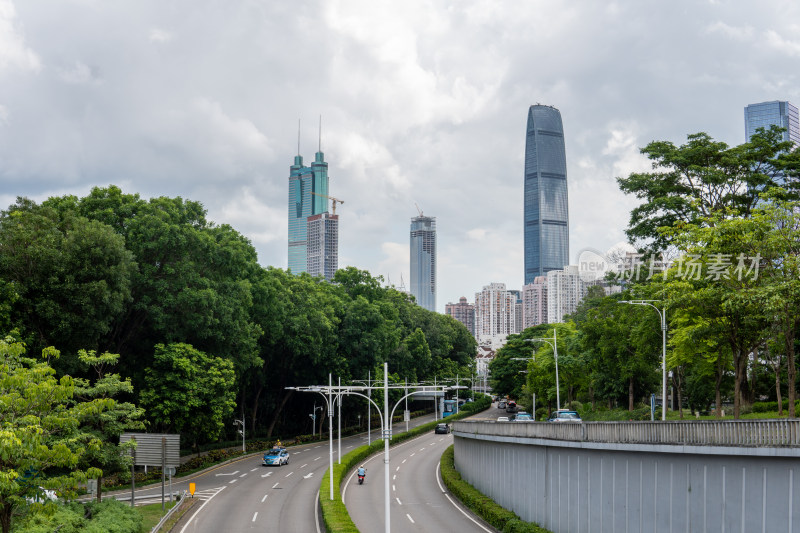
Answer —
361 479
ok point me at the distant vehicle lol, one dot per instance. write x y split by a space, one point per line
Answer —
276 456
442 429
502 419
511 407
564 415
501 404
449 408
523 417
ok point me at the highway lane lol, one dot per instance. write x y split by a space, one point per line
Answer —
419 500
244 496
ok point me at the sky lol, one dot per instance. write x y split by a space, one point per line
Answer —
423 104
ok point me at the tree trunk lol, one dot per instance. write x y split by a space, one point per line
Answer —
717 393
5 517
777 370
740 367
254 410
630 393
99 489
277 412
676 378
791 371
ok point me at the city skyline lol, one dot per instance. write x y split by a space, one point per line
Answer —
422 103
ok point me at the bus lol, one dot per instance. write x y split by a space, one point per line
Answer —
449 408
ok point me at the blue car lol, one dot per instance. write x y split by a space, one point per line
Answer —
276 457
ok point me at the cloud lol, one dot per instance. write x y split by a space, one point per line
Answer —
159 36
740 33
78 74
13 51
782 44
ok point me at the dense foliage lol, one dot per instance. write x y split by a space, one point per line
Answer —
719 232
197 333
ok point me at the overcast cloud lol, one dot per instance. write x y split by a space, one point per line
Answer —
421 101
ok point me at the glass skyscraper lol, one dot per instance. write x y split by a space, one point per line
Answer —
423 261
303 181
777 113
546 214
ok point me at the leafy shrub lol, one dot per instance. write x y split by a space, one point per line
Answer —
109 516
499 517
575 405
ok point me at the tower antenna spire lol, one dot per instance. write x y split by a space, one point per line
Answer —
320 134
298 136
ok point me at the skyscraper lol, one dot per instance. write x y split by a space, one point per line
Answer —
308 190
323 245
777 113
423 261
546 215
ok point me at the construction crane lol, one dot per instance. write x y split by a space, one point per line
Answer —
332 199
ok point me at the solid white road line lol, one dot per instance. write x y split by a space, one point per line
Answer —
305 465
275 485
289 474
436 474
243 474
397 469
394 488
394 477
409 517
267 474
253 470
200 509
228 474
316 515
255 515
398 501
318 458
232 481
403 462
264 498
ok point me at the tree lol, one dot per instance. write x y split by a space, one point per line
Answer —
189 392
72 275
38 429
703 177
106 425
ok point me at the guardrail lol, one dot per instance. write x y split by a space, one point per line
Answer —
743 433
172 511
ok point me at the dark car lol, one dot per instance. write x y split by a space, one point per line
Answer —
442 429
511 407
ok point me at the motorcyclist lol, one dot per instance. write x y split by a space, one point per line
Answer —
362 471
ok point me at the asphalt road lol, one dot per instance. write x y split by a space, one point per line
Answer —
244 496
419 500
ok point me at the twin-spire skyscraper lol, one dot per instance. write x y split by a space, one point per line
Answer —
313 231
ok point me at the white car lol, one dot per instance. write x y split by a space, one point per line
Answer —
502 419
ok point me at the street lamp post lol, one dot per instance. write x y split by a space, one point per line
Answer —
662 314
241 423
553 345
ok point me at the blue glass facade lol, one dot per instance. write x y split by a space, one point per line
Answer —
766 114
423 261
546 213
303 181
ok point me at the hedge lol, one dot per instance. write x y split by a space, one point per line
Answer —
334 512
499 517
772 407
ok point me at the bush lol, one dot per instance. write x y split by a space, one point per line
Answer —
575 405
772 407
499 517
109 516
542 414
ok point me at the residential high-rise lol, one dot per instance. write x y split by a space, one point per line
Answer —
546 214
495 314
534 303
423 261
323 245
517 310
766 114
308 190
565 290
463 312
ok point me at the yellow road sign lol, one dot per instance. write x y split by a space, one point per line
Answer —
191 489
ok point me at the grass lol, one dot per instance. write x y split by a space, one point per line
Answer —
152 513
